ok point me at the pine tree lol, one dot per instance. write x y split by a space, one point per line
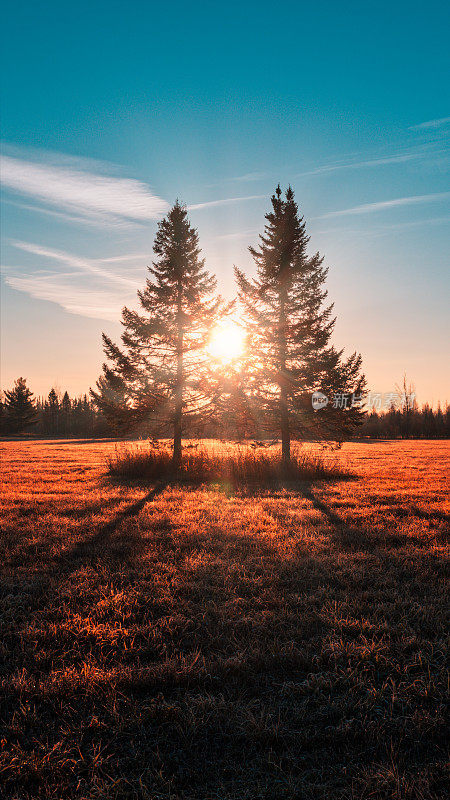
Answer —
20 411
66 409
51 410
88 413
161 374
66 404
289 330
440 425
447 421
78 428
3 427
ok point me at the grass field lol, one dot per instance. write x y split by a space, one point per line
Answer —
204 643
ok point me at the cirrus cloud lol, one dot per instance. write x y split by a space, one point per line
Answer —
383 205
87 287
430 123
71 187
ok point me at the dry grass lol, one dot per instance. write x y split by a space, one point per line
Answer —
213 462
199 643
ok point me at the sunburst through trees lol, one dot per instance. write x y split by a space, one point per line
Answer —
184 359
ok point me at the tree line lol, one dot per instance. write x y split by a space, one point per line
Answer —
57 415
161 380
61 416
422 423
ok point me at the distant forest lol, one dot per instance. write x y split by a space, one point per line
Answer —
61 416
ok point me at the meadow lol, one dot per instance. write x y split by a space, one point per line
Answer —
162 640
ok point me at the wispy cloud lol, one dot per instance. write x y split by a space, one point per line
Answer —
383 205
413 224
249 176
79 285
400 158
224 202
381 230
86 194
83 264
142 257
73 298
429 147
94 220
430 123
77 190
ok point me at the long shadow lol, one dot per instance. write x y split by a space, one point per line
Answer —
415 511
234 648
102 547
87 548
355 536
271 488
348 535
319 505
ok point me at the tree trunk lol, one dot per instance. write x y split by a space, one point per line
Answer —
176 457
284 411
178 415
285 434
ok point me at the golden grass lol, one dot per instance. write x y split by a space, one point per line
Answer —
285 642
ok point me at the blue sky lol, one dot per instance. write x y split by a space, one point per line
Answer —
113 110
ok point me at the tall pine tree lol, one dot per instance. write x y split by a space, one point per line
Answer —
66 410
20 410
289 330
52 410
161 373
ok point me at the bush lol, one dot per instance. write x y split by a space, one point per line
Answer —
213 462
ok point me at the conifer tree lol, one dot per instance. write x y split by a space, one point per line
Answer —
289 330
161 373
51 409
66 409
20 411
66 404
2 417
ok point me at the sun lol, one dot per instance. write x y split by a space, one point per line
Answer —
227 342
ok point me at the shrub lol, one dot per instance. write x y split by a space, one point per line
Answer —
213 462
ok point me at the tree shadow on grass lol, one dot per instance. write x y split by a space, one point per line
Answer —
39 592
348 535
242 684
68 558
414 511
96 546
357 536
242 489
290 487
